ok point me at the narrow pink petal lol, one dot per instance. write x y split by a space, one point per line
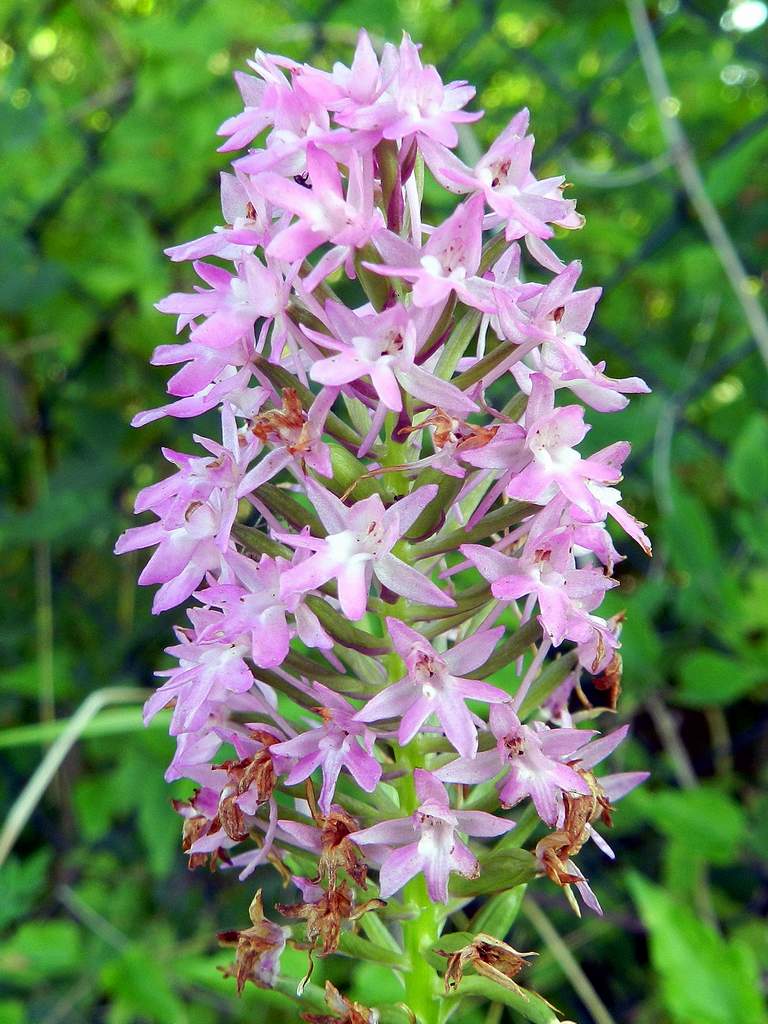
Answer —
399 867
480 823
474 651
414 718
473 689
457 723
392 832
409 582
391 702
480 768
354 582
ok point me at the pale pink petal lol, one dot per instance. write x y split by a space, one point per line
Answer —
480 823
393 832
399 867
474 651
480 768
391 702
407 582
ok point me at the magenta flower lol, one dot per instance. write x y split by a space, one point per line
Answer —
231 306
358 546
551 437
283 105
259 608
390 382
209 676
344 90
520 202
559 317
340 742
246 225
427 841
431 687
447 263
384 348
414 102
546 572
324 213
532 758
187 548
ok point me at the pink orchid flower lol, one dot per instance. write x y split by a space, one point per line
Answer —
559 317
259 608
414 102
246 223
324 213
447 263
551 437
433 686
427 840
546 573
340 742
522 204
532 759
383 347
358 546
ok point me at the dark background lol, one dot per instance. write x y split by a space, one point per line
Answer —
108 110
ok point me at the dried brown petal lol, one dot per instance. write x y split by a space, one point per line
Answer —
347 1011
490 957
258 948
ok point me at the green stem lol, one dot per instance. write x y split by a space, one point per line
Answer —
420 933
421 929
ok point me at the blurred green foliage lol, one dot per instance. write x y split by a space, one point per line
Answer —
108 110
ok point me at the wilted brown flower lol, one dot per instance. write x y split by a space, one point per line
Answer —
554 852
344 1010
196 825
325 913
258 948
491 958
338 850
288 424
610 680
253 775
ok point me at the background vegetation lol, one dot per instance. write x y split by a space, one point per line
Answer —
108 110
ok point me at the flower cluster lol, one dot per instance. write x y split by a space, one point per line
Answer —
396 511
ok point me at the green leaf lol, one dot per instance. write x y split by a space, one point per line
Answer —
457 344
732 171
12 1011
41 949
371 986
708 678
342 630
111 722
703 977
361 949
707 821
139 983
694 551
510 649
22 882
499 872
453 942
747 467
500 519
498 914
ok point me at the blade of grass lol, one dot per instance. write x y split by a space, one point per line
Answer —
28 798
